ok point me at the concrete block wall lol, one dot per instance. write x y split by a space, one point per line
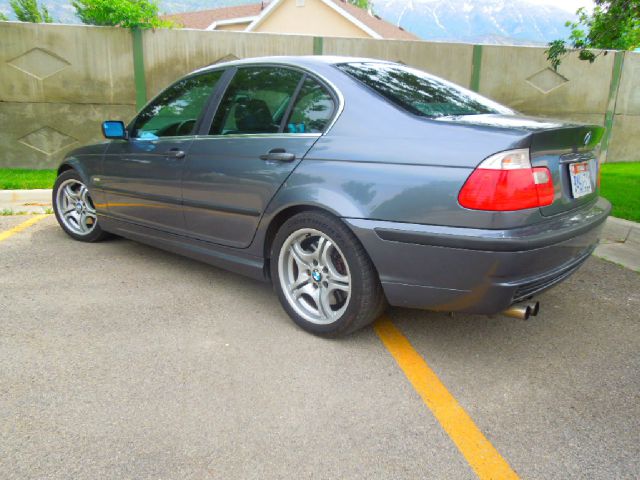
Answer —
452 61
522 78
625 133
58 82
169 54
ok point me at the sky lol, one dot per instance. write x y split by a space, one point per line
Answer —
570 5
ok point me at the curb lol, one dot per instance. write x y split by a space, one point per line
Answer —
26 196
25 201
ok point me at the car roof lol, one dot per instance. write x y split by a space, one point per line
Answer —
300 60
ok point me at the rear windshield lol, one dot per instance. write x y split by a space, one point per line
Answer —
420 93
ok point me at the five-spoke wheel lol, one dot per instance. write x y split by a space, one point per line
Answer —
74 208
314 276
324 278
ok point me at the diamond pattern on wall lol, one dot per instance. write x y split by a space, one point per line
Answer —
546 80
39 63
47 140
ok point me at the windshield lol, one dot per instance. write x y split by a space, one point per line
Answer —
420 93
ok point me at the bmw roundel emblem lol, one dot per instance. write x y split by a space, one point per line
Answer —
587 138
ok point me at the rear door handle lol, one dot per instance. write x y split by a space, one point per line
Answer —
175 153
278 155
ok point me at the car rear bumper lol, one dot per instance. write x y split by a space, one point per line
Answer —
473 270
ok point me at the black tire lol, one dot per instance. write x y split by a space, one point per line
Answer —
96 234
366 302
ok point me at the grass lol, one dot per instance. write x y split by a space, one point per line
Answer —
620 184
21 179
7 212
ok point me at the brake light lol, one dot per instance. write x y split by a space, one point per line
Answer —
507 181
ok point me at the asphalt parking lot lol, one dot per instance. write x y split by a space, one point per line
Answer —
118 360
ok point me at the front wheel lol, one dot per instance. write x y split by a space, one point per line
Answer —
74 208
323 276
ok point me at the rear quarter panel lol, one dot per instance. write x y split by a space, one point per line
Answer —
422 194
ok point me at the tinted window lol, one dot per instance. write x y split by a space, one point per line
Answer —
175 111
420 93
255 101
313 109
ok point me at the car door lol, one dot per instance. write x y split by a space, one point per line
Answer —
142 175
267 120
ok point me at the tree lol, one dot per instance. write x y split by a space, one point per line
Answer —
29 11
3 17
613 24
122 13
364 4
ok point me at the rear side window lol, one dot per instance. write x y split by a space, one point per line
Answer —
175 111
420 93
255 101
313 109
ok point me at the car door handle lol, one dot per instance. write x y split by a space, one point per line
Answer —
278 155
175 153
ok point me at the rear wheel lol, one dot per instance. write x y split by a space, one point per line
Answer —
74 208
323 276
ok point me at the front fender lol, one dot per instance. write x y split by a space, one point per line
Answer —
87 162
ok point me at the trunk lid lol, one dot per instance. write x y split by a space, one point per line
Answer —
570 152
558 145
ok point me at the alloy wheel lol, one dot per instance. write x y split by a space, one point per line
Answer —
314 276
75 207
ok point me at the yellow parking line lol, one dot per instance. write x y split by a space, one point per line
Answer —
18 228
483 458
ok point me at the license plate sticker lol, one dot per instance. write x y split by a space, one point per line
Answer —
580 179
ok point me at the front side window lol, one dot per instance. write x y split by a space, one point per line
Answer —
177 109
313 109
255 101
420 93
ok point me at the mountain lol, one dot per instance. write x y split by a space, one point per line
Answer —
484 21
475 21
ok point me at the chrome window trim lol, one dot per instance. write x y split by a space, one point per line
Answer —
258 135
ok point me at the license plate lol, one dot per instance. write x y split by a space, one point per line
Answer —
580 179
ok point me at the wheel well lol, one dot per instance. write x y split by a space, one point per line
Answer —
279 220
64 167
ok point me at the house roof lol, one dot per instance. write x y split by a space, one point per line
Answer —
381 27
205 18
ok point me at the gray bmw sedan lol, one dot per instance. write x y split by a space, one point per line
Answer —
350 184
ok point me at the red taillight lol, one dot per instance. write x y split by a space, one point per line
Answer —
507 181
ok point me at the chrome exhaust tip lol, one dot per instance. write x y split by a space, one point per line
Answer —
535 308
521 312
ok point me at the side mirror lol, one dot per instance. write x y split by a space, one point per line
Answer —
114 130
